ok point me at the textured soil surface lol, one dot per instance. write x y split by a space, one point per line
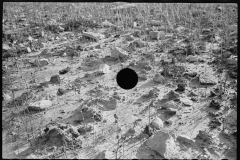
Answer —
63 100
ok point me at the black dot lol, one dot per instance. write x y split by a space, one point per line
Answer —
127 78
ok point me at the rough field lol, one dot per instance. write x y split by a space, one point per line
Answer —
61 98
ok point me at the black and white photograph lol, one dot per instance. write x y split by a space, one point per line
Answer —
119 80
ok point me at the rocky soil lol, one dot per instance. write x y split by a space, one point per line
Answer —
63 101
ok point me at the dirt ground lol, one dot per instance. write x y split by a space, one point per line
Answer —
63 100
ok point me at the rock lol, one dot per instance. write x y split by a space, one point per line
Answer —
98 46
142 77
206 31
170 112
45 51
5 67
6 97
136 33
212 46
94 46
230 61
155 23
203 139
205 79
233 28
143 65
168 123
29 50
62 134
180 87
62 111
39 105
148 131
87 75
138 44
158 78
146 38
84 130
98 73
219 8
107 24
97 117
192 93
186 141
104 68
195 79
170 104
135 24
3 71
133 63
79 48
51 149
118 53
163 143
61 91
196 13
233 74
129 38
191 58
31 156
70 52
154 35
161 35
55 79
41 62
131 47
186 101
5 47
215 123
91 48
166 61
231 153
123 7
74 131
63 71
215 105
95 36
227 54
180 29
14 136
212 93
157 123
194 99
171 95
110 104
143 71
87 113
230 122
151 94
130 132
103 155
61 29
190 74
148 30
